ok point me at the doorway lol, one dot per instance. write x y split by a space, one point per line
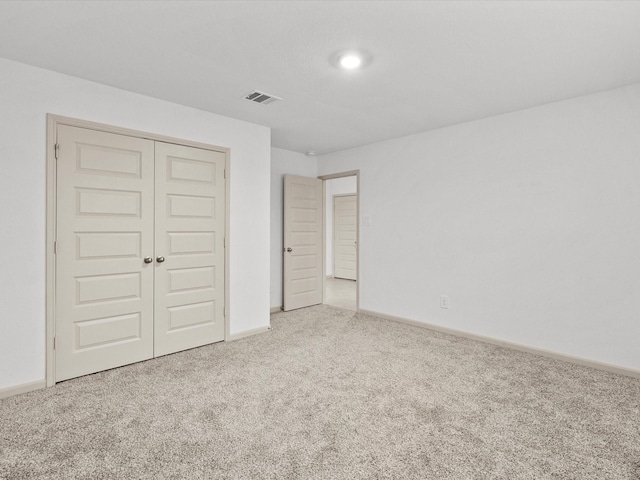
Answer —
308 241
341 241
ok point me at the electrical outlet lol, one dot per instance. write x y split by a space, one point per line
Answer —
444 301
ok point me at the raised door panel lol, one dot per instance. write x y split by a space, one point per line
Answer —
303 242
345 231
190 223
104 290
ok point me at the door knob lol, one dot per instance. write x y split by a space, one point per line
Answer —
148 259
160 259
289 249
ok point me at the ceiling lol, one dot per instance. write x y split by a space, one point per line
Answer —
432 64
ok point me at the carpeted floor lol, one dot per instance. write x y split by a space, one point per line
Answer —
329 394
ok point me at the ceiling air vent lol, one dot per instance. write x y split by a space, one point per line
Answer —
262 98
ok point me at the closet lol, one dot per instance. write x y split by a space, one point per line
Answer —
139 249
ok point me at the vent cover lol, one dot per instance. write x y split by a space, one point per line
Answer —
261 97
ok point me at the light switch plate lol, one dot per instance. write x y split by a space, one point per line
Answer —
366 220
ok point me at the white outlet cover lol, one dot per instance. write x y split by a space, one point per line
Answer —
444 301
366 220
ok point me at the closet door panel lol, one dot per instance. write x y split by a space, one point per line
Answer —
105 215
189 220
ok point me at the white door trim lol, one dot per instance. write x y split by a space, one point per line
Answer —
53 121
324 178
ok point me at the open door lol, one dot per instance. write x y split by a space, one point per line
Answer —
303 233
345 236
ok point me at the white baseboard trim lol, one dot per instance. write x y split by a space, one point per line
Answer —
24 388
248 333
276 309
607 367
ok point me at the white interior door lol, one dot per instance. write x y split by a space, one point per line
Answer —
104 289
345 234
189 266
303 232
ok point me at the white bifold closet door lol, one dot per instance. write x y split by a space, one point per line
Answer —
139 250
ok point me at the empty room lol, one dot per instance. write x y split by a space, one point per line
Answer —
320 240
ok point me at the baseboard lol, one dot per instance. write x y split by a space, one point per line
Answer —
607 367
276 309
248 333
24 388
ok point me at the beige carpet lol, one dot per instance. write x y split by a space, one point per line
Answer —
329 394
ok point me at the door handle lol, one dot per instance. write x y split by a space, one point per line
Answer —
289 249
160 259
148 259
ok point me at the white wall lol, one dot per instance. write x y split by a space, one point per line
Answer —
27 94
335 186
529 222
292 163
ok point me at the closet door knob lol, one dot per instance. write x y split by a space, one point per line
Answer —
160 259
289 249
148 259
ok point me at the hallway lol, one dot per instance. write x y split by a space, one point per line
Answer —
341 293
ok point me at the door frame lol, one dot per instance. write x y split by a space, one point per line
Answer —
333 230
324 178
53 121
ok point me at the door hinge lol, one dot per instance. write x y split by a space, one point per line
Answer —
54 343
56 149
224 312
225 173
224 242
55 248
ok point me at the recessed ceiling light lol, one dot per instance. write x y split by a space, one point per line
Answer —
311 153
350 61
